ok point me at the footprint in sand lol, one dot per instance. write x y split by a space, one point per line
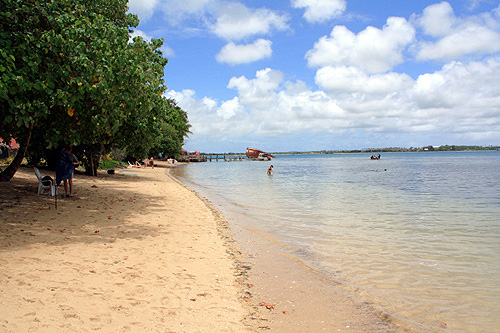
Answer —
72 316
136 302
172 301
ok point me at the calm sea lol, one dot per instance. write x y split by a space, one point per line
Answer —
417 233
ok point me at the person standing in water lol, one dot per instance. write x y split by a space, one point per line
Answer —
270 170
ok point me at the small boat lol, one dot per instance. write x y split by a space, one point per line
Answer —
258 155
264 157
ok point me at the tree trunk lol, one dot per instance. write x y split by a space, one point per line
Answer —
8 173
91 162
96 163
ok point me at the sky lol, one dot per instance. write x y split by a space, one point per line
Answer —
303 75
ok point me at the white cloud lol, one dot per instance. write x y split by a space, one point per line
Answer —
372 49
469 89
208 119
460 99
229 20
437 19
353 80
235 21
473 4
143 8
258 93
320 10
231 109
280 107
457 37
176 11
243 54
473 39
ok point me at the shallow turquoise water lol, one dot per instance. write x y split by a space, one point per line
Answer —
417 233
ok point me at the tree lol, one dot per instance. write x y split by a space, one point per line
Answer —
173 127
24 87
91 46
70 76
42 78
142 98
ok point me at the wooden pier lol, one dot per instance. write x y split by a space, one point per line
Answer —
205 157
229 157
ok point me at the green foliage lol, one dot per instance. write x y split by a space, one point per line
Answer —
465 148
24 86
117 154
162 133
68 71
108 164
175 127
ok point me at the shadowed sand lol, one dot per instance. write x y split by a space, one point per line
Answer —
139 252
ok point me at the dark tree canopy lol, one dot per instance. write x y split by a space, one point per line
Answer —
69 74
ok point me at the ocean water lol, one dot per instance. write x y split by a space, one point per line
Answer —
415 234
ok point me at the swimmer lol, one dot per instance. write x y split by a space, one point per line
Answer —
270 170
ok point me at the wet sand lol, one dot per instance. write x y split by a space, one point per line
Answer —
138 251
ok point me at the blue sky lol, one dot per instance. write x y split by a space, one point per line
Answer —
330 74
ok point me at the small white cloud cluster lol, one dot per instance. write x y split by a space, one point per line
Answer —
320 10
243 54
453 37
229 20
374 50
236 22
143 8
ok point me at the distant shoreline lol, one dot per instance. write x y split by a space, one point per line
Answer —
395 150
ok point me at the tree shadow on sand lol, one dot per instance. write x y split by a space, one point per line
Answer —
102 211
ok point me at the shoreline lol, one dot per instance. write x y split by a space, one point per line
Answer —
304 299
288 296
141 251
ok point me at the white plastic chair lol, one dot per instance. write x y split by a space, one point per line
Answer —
45 184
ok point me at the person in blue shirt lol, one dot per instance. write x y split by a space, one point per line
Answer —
65 169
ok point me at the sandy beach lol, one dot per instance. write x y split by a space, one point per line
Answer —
139 252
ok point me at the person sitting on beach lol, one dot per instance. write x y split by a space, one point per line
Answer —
270 170
138 165
151 162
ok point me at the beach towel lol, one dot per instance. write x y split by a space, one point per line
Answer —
65 167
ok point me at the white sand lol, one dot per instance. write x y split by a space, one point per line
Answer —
138 253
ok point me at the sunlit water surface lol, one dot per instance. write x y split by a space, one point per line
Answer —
417 233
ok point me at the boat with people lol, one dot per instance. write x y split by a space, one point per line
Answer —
258 155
